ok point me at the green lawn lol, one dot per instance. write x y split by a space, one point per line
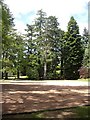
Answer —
79 112
22 78
84 80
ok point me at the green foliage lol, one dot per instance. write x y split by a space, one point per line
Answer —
73 51
85 38
0 20
45 41
86 57
7 25
32 73
45 52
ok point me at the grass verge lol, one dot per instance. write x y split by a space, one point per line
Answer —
79 112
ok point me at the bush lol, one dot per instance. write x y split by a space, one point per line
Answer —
32 73
84 72
50 75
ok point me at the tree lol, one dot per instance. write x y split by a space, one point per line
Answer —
86 58
85 38
73 51
45 52
0 40
53 39
31 53
7 24
41 42
18 53
62 53
47 41
86 44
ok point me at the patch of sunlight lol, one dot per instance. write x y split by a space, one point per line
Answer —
38 92
81 91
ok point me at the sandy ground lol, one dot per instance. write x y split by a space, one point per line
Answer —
34 96
50 82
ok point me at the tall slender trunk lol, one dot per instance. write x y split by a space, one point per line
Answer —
45 70
45 64
6 75
62 64
61 67
2 75
18 74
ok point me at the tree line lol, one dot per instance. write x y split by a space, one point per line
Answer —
45 51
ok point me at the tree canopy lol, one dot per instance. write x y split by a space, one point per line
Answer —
45 51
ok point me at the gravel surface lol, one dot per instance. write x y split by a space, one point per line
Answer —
28 97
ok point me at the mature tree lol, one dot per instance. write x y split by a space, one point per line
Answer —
48 43
31 53
53 39
62 53
45 52
29 40
0 40
18 53
73 51
85 38
41 41
86 45
86 58
7 24
35 39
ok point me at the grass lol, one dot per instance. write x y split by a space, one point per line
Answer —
25 78
79 112
82 112
84 80
5 81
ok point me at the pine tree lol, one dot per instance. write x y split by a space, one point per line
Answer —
18 51
73 51
62 53
53 36
7 25
0 40
41 41
31 53
86 58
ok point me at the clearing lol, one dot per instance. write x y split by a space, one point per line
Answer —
21 97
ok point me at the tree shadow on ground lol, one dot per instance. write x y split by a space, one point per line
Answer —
28 98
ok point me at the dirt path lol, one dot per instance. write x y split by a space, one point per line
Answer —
33 97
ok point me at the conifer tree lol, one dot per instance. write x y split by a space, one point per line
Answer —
73 51
7 25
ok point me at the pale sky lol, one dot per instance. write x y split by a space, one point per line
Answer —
24 11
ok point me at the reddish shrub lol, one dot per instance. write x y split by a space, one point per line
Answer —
84 72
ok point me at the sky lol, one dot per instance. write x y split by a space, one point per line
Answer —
24 11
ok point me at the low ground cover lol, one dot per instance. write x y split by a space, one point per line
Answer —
78 112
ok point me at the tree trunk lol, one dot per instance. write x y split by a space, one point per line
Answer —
2 75
62 64
45 64
18 74
61 67
6 75
45 70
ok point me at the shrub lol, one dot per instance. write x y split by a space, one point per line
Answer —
84 72
32 73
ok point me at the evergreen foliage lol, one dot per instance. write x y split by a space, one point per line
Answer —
45 51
